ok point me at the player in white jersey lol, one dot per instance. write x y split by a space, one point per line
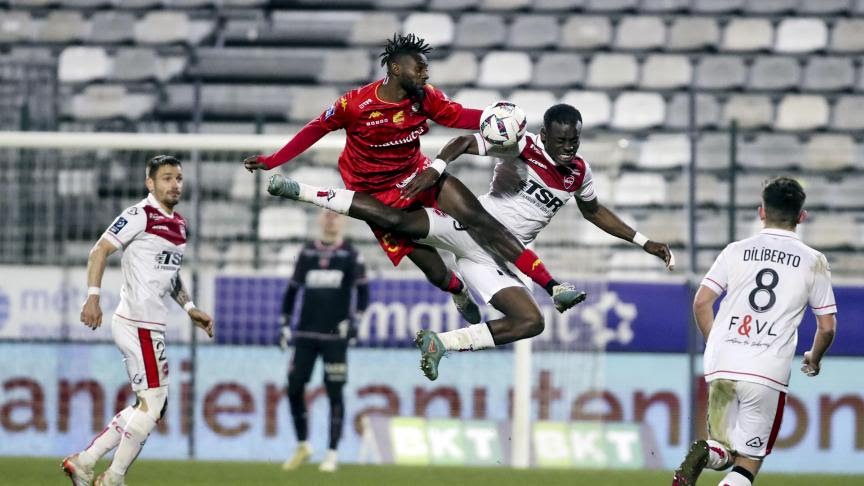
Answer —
529 187
768 279
153 237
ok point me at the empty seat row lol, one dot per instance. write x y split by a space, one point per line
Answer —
85 64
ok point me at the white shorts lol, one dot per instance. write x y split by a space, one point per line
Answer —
744 416
143 354
481 271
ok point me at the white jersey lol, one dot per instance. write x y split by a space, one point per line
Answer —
769 279
152 241
528 187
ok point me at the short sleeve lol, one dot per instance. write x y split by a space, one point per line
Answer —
124 229
717 278
821 297
586 190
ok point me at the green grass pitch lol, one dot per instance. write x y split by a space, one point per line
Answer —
40 471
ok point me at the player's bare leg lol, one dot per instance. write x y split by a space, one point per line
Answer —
456 200
522 319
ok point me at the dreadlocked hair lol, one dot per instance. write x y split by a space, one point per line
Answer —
403 44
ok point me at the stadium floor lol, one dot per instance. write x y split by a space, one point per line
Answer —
40 471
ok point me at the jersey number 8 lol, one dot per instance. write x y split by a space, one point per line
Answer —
761 286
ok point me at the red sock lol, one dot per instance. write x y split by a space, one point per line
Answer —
529 264
455 285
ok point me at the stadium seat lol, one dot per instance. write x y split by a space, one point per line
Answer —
382 4
505 4
181 4
771 6
586 32
748 188
436 28
518 70
458 68
230 100
829 73
666 71
310 101
846 193
825 7
31 3
595 106
110 101
717 6
282 222
801 35
693 33
534 103
824 230
368 28
750 111
222 219
453 5
605 151
638 110
136 64
639 189
848 35
669 226
316 28
558 69
61 26
533 32
664 151
678 111
138 4
215 176
774 73
802 112
712 229
747 34
771 151
346 66
111 26
817 188
163 27
612 71
827 152
642 32
83 64
611 5
77 182
480 30
664 5
15 26
558 5
259 63
712 151
477 98
710 189
720 72
847 113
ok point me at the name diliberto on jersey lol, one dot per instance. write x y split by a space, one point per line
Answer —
773 255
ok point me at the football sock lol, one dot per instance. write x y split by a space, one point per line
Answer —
138 428
455 285
338 200
107 439
718 456
738 476
471 338
529 264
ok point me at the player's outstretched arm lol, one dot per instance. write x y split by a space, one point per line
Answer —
826 328
91 311
305 138
703 309
181 296
465 144
603 218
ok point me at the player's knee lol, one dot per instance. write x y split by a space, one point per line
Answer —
153 402
391 220
532 324
334 392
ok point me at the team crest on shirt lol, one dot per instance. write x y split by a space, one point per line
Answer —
399 117
568 181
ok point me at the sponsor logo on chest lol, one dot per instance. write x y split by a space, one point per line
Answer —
324 279
539 195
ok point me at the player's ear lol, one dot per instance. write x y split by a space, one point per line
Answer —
149 183
543 135
761 212
802 216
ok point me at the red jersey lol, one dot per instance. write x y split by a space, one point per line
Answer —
382 147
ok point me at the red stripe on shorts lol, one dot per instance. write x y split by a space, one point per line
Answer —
778 419
150 367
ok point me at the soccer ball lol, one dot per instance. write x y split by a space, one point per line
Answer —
502 123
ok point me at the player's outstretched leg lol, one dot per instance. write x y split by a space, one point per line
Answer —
688 472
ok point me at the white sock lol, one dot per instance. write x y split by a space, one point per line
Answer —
135 434
718 456
108 439
338 200
734 479
472 338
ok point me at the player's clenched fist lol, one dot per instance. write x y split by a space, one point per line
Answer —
661 251
91 312
252 163
202 320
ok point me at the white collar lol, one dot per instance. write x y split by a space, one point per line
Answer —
151 200
780 232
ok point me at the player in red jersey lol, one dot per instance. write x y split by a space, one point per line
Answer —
383 122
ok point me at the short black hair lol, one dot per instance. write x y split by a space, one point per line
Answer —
783 198
562 113
154 163
403 44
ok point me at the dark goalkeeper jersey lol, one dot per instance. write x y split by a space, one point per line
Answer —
327 275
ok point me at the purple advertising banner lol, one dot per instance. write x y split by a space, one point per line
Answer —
617 316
